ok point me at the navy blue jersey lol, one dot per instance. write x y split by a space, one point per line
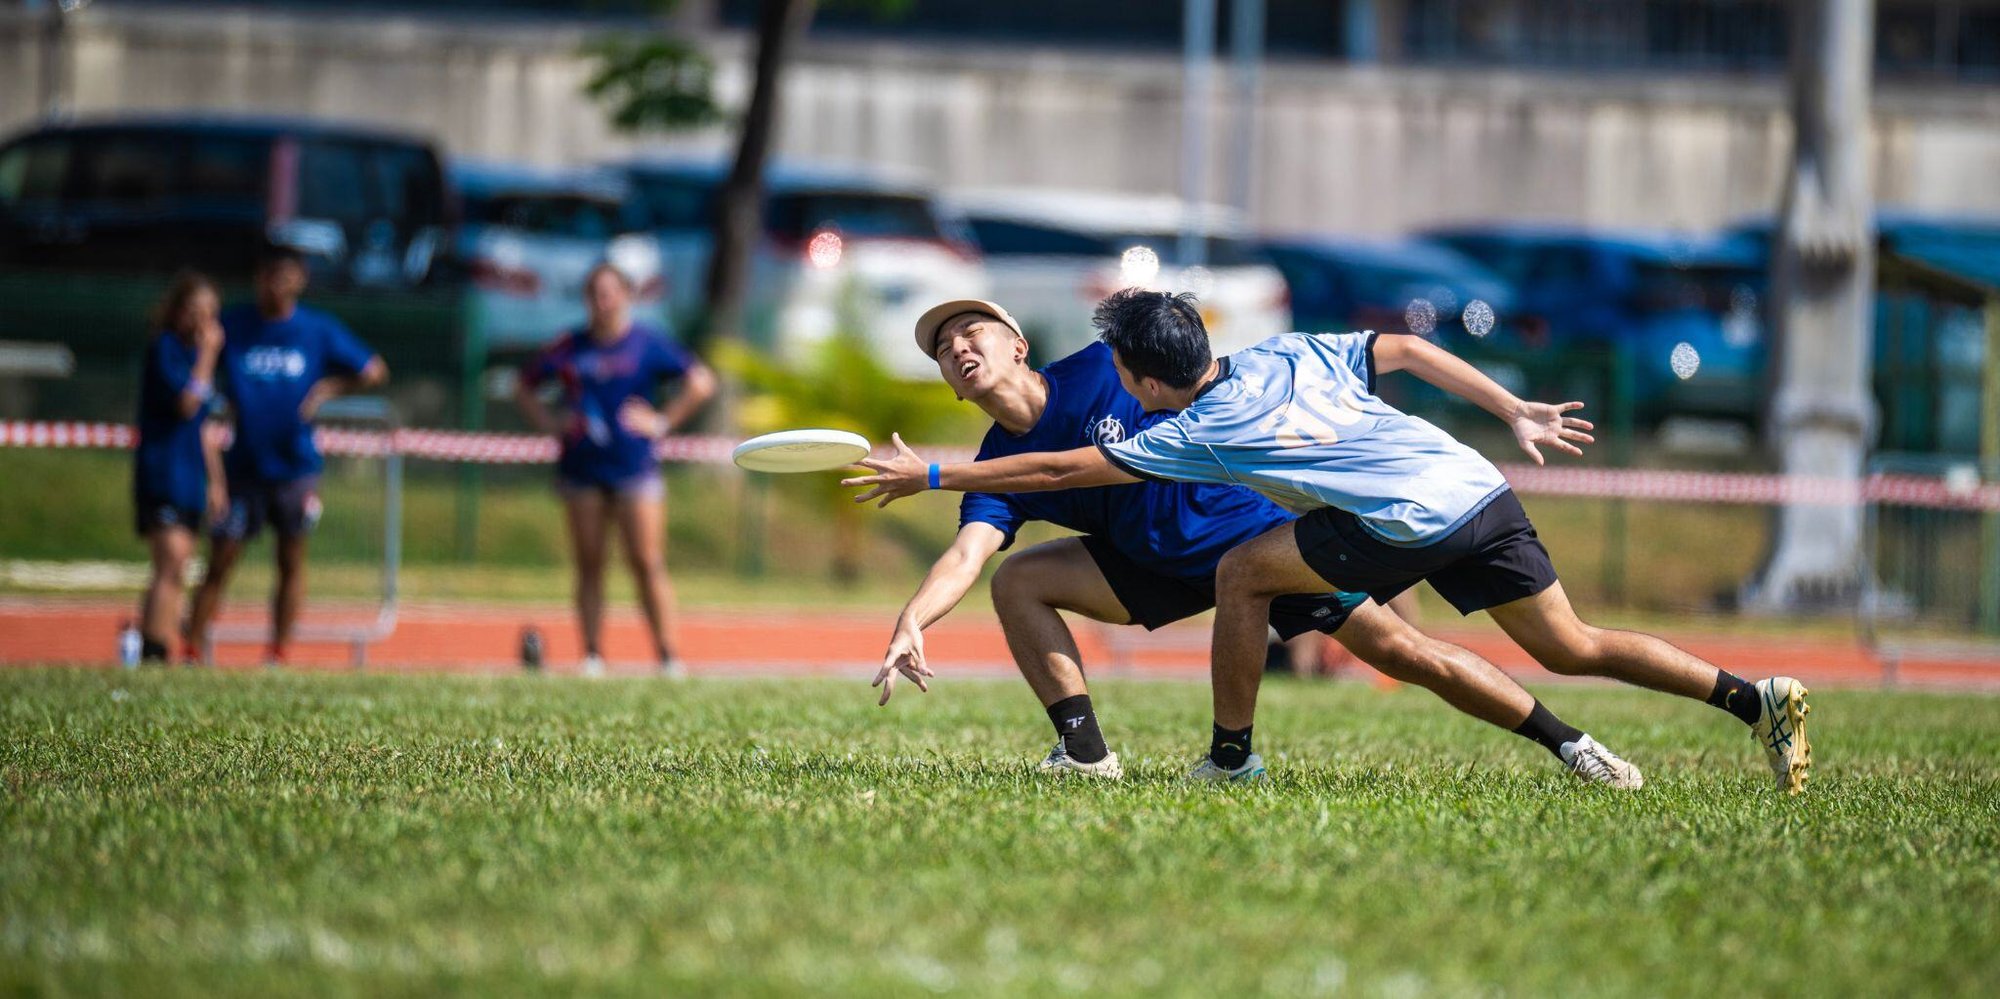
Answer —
168 467
268 367
1178 529
597 379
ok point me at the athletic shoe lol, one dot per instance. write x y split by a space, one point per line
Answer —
593 666
673 669
1060 763
1781 730
1251 771
1593 764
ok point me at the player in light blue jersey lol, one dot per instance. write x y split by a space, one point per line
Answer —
1147 557
1387 500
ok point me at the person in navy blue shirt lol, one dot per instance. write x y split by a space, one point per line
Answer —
1148 554
608 373
177 482
280 362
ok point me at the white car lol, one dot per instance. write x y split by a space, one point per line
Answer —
840 253
529 238
1052 255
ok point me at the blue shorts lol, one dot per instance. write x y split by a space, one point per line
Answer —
150 513
291 508
1155 600
643 486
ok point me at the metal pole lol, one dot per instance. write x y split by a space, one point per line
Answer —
1246 44
1197 63
1989 469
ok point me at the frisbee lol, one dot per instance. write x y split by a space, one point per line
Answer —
801 451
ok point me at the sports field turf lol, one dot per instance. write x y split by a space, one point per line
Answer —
192 833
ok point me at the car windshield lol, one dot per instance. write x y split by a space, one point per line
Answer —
1664 287
569 215
862 214
153 170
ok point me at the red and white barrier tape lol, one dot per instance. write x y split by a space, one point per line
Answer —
1597 483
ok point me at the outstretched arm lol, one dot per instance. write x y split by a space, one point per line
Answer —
906 474
951 576
1534 423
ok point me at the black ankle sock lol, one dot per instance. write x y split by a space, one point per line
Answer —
1228 748
1737 696
1076 726
152 651
1544 727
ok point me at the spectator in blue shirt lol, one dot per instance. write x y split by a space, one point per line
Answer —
608 373
177 467
280 362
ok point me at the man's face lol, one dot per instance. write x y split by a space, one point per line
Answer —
281 282
976 352
1152 393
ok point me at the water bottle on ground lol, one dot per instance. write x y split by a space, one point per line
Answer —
129 645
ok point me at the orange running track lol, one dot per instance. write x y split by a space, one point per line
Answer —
469 639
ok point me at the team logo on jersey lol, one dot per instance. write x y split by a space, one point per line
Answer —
1108 430
274 362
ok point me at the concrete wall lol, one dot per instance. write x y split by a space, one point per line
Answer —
1338 148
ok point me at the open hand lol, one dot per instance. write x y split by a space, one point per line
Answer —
903 474
1539 423
641 420
905 656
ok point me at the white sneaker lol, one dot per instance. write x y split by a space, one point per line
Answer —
1251 771
1593 764
1781 730
673 669
1059 762
593 666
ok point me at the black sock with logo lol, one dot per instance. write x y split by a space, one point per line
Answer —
1076 726
1229 748
1544 727
1737 696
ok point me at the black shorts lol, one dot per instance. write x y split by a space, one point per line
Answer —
150 514
291 508
1492 559
1156 600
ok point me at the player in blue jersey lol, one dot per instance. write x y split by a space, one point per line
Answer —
608 373
177 481
1148 555
1386 500
280 362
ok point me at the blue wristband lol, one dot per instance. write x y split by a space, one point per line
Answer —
936 471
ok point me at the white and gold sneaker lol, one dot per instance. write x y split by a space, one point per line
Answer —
1060 763
1593 764
1781 730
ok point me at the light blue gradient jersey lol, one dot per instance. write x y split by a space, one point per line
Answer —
1296 418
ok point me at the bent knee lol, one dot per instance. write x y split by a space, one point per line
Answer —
1577 653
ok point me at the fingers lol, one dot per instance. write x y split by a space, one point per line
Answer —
901 447
888 689
1577 435
1571 421
1571 448
1533 452
870 494
917 677
862 480
1569 407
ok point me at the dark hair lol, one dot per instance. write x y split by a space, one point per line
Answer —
174 302
271 254
1156 335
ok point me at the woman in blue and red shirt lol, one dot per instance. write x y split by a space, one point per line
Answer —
608 373
177 468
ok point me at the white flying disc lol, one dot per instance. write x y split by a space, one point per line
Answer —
801 451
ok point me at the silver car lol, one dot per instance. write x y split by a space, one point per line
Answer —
529 238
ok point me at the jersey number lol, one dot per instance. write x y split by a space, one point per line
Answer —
1314 415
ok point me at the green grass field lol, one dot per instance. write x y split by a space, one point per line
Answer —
187 833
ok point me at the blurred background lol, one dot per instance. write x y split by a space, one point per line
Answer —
1587 199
